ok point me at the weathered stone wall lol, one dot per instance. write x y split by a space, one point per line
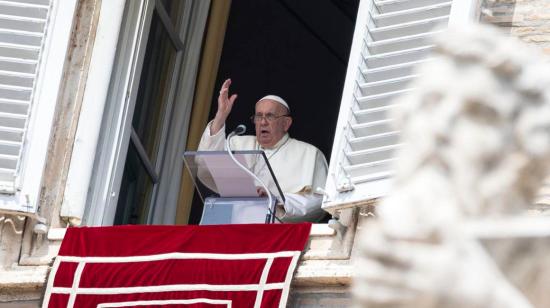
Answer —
528 20
320 297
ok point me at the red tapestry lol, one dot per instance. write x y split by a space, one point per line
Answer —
176 266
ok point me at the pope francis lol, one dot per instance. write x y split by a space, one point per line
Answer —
299 167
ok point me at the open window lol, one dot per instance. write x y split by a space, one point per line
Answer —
294 49
146 115
145 122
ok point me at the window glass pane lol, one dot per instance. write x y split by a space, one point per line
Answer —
154 88
135 191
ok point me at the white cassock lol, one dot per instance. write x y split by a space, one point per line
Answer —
298 166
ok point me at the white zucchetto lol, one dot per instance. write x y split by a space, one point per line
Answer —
275 98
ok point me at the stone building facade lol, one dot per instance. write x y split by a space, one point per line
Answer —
528 20
325 273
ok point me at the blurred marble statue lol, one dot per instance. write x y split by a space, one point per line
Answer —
454 231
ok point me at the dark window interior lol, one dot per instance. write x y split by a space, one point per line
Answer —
297 49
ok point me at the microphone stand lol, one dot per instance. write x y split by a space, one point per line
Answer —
239 131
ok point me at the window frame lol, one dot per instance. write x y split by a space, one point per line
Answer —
153 169
116 125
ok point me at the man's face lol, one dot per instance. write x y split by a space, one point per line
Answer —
268 133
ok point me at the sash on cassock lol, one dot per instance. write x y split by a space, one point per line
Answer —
176 266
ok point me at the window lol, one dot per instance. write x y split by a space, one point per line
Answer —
147 108
292 51
391 37
151 114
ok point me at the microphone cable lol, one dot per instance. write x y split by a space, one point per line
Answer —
237 132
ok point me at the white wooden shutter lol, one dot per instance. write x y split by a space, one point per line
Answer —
391 37
22 32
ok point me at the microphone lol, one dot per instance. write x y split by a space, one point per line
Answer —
239 130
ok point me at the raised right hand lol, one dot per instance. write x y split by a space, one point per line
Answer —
225 104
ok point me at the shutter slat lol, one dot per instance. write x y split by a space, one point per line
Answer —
372 177
14 51
371 155
10 148
390 72
23 9
372 128
16 23
409 28
398 57
400 17
13 120
8 162
385 86
14 106
18 65
23 38
379 100
400 43
372 114
16 79
17 93
374 141
388 6
11 134
357 172
43 3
